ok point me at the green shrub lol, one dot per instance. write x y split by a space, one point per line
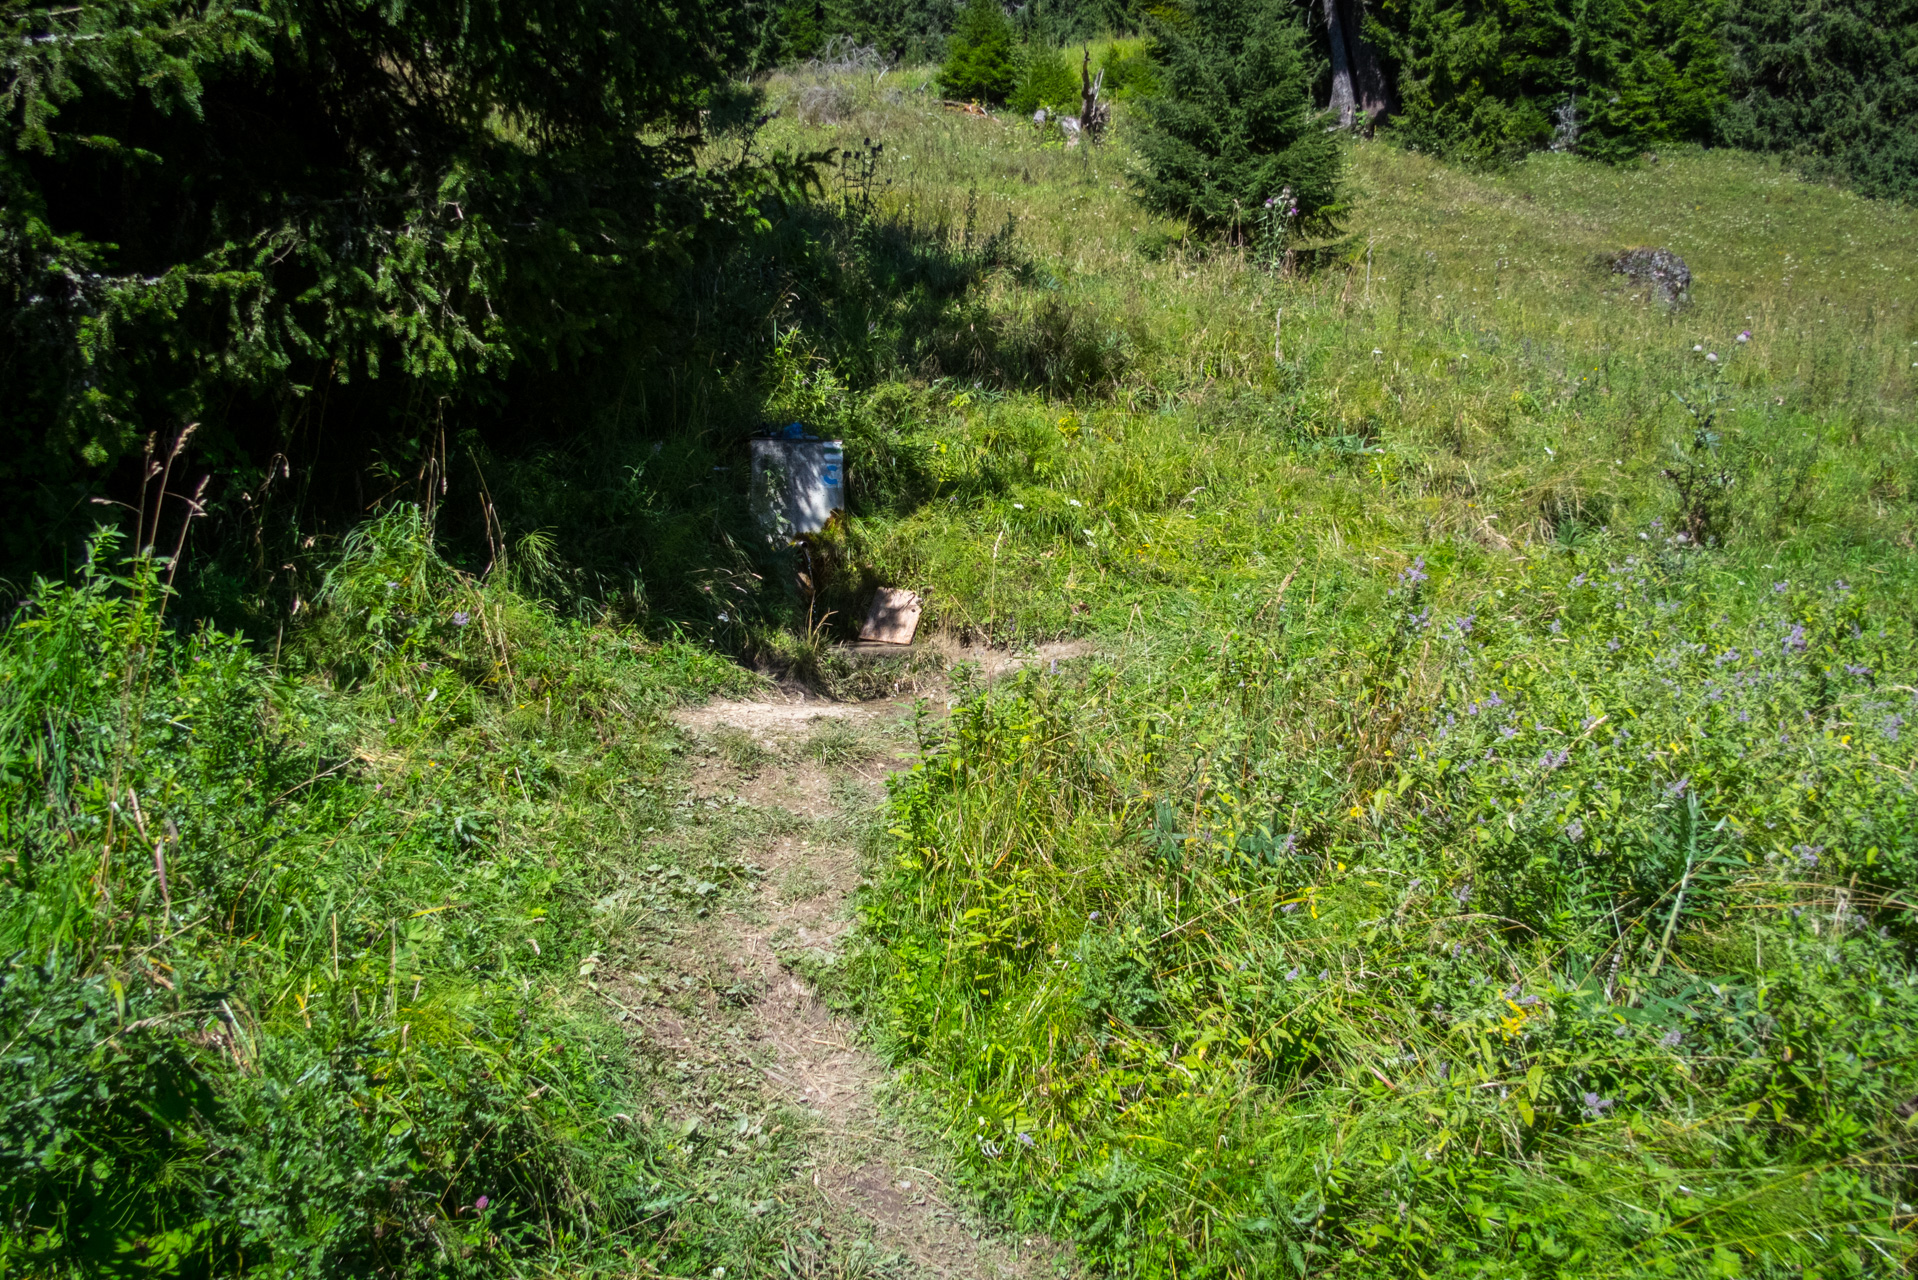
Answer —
979 63
1487 83
1046 79
1830 84
1128 71
1232 125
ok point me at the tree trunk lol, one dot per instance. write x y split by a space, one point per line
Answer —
1344 101
1094 115
1368 75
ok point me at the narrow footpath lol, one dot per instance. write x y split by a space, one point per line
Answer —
787 790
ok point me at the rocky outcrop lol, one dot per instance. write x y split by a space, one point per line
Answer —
1663 271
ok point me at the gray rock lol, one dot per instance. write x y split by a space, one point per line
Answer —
1660 269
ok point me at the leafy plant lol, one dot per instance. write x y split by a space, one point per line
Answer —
272 1013
1344 938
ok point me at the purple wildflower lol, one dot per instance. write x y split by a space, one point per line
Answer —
1796 640
1574 831
1596 1106
1414 572
1671 1039
461 618
481 1203
1292 974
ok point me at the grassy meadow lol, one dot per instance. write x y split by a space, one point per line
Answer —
1476 842
1475 836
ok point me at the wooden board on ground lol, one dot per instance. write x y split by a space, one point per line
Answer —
893 618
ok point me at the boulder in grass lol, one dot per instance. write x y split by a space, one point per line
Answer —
1660 270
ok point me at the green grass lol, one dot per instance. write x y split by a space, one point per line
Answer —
302 961
1488 385
1479 848
1252 944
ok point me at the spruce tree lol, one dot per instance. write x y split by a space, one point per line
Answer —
1831 84
1232 124
208 210
1488 80
1045 80
979 65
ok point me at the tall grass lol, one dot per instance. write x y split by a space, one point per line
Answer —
1482 848
1105 407
292 977
1547 921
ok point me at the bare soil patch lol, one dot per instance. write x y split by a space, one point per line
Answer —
872 1192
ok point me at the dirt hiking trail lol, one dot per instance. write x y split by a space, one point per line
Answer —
790 783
